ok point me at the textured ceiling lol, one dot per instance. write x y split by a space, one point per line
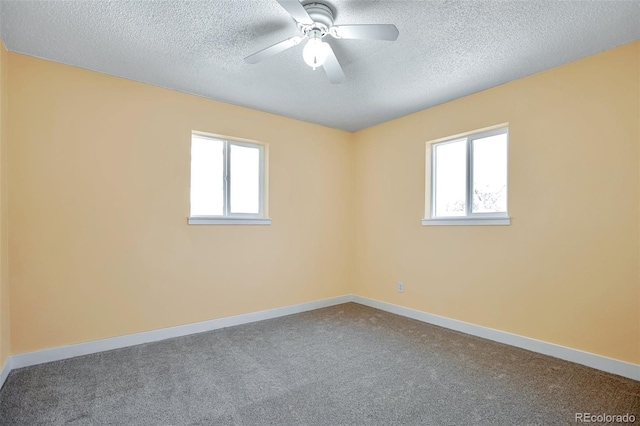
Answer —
446 49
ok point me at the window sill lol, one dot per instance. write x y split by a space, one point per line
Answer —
214 220
467 221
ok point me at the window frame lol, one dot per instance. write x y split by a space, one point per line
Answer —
228 217
469 218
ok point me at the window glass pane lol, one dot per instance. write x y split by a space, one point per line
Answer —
245 179
450 178
490 174
207 170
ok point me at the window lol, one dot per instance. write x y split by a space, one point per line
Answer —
468 180
227 181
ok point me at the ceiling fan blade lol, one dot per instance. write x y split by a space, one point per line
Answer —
273 50
332 68
366 32
296 10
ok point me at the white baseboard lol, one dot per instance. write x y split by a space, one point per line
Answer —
599 362
610 365
70 351
4 372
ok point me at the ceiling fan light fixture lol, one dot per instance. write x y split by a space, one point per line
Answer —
315 52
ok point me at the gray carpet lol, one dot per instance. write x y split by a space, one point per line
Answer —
343 365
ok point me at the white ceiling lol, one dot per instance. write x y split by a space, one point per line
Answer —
446 49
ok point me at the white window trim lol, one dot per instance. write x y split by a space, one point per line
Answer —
494 220
470 218
230 218
220 220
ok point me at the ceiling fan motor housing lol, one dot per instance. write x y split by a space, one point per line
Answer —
322 16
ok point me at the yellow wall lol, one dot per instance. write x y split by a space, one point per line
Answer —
567 270
99 196
99 199
4 258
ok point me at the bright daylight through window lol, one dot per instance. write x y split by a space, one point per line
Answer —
227 181
469 180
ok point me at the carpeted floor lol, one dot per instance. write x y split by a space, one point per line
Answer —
343 365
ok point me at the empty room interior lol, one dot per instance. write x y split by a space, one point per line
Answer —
320 213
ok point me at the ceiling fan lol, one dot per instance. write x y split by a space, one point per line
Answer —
315 21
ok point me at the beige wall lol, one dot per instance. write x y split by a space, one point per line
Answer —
5 349
99 199
567 270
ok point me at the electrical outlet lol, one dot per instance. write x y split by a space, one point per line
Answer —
400 287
